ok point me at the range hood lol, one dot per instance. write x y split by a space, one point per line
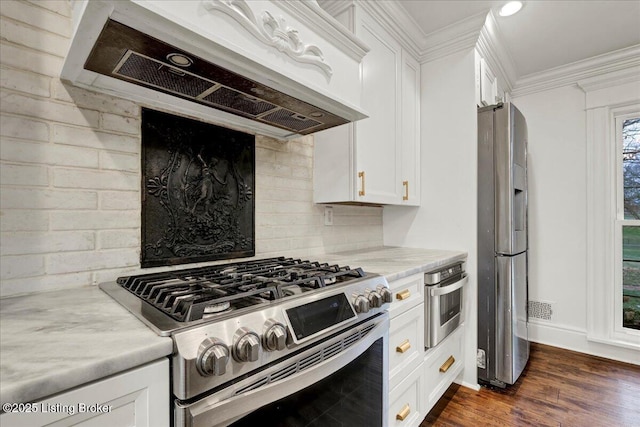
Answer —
279 68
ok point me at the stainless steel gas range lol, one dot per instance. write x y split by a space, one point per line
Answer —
275 341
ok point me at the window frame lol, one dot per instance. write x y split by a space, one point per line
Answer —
604 297
618 118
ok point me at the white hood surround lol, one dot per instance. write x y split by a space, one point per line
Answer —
303 59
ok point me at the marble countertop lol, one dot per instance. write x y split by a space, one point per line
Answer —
50 342
45 350
394 262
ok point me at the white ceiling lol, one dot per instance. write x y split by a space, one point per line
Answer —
546 33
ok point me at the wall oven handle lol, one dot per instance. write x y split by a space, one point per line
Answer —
435 291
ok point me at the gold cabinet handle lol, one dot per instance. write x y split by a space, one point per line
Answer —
446 365
404 412
361 176
406 190
404 346
402 295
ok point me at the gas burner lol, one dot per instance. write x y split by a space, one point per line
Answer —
198 293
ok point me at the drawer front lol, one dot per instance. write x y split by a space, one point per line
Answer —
407 293
406 344
405 400
442 365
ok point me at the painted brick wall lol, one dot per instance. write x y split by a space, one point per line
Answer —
70 172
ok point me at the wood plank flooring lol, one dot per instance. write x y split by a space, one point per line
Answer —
558 388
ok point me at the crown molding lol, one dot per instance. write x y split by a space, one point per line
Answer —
453 38
609 69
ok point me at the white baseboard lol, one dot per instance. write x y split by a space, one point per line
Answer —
576 340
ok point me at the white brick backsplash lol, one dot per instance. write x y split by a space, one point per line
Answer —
94 100
70 180
94 220
48 154
22 81
119 161
15 267
61 7
49 110
111 239
18 127
106 180
25 59
45 19
32 38
39 243
118 123
24 220
86 137
44 198
23 175
70 262
120 200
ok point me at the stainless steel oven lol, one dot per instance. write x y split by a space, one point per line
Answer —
444 302
272 342
341 381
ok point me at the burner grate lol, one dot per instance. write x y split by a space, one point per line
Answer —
196 293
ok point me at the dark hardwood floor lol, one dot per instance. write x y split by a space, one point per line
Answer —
558 388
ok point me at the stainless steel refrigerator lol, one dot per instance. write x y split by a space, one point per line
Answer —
503 343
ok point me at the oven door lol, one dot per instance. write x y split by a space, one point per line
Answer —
342 380
443 310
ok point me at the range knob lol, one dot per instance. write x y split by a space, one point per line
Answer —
385 293
213 357
375 299
247 345
274 336
360 303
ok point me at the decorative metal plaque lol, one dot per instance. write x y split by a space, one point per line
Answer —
197 191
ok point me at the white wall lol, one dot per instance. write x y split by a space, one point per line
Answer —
70 173
447 216
556 122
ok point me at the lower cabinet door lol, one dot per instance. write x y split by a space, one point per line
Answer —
406 400
442 365
139 397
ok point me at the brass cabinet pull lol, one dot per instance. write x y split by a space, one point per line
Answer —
361 176
406 190
402 295
404 412
404 346
446 365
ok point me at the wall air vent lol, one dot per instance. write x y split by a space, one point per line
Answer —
540 310
124 53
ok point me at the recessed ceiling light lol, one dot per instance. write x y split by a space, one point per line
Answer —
510 8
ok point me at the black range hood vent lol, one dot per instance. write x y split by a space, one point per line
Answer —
124 53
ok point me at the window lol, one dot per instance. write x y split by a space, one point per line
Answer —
628 219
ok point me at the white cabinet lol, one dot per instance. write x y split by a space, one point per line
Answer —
139 397
442 364
488 90
417 377
410 131
406 352
365 162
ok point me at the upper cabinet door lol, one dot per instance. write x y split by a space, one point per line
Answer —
410 140
378 153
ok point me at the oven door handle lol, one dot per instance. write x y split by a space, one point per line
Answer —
436 292
211 411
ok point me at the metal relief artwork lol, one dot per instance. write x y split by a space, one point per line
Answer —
197 191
